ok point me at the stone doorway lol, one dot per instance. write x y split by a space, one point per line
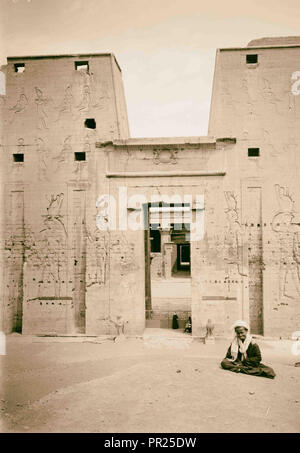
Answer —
169 266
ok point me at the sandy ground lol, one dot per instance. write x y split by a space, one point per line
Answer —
157 384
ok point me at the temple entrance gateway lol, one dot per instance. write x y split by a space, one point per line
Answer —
169 291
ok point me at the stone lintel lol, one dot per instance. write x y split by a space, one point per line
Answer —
50 298
163 174
218 298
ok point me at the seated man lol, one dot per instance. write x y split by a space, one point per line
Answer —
243 355
188 326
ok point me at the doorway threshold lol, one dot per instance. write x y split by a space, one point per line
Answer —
167 338
168 333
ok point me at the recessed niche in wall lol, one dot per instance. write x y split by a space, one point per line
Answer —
79 156
19 67
18 157
253 152
155 240
90 123
251 58
82 66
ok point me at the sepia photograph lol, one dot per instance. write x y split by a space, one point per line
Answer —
149 219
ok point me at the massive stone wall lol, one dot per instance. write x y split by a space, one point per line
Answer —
2 178
69 270
49 194
259 104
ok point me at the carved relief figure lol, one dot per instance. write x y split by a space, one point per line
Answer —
53 212
32 254
45 251
248 101
42 159
228 101
289 239
63 155
102 97
122 253
21 104
234 237
86 145
51 247
79 167
21 145
42 116
55 203
53 244
85 100
274 151
66 105
165 156
98 248
269 96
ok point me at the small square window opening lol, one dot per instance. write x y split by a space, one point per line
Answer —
18 157
79 156
90 123
253 152
251 58
82 66
19 67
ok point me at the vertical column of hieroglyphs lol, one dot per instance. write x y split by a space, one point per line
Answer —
14 248
2 177
253 226
79 256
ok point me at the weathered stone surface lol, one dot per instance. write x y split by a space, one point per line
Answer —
58 237
49 316
259 104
